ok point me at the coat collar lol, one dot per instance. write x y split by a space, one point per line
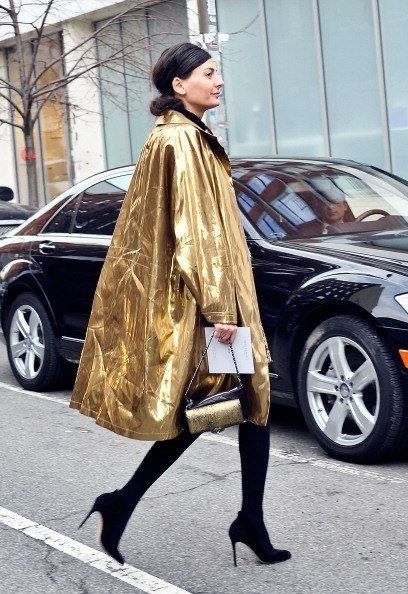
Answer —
173 117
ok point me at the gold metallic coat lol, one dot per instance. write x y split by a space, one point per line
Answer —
178 261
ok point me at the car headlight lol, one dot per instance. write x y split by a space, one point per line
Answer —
402 300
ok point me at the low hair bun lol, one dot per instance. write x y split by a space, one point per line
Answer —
159 105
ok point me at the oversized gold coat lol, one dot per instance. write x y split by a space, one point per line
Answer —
178 261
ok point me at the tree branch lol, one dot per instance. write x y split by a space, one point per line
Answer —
120 54
19 44
12 103
94 35
14 124
8 85
39 31
66 80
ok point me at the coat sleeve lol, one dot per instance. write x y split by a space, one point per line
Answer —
201 250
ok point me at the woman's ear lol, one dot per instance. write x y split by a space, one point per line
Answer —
177 85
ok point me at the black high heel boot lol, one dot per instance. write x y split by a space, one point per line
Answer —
242 530
115 516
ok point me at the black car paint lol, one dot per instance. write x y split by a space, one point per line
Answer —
12 212
12 215
299 283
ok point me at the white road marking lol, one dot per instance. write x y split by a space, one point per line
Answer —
125 573
31 393
320 462
327 464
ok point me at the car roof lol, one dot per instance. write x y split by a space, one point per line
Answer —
235 161
279 158
253 161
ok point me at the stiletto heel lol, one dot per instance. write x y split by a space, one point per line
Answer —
234 552
87 516
114 519
242 530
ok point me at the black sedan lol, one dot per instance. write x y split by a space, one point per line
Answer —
329 246
12 215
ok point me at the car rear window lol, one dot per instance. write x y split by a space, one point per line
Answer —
100 205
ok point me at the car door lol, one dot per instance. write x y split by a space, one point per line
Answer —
277 270
272 296
69 257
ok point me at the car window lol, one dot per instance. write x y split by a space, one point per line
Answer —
61 221
100 205
309 200
258 216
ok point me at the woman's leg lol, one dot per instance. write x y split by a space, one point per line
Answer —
117 507
249 526
158 459
254 442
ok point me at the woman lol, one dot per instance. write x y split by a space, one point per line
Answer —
178 261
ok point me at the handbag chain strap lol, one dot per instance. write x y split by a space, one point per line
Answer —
202 357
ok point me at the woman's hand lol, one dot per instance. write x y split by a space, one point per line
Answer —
225 332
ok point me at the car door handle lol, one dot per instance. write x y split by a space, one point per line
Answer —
46 247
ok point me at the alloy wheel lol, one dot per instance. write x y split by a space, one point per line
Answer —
343 391
27 341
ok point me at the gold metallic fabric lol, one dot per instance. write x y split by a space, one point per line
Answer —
178 261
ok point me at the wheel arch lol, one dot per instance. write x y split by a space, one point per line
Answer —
316 317
25 285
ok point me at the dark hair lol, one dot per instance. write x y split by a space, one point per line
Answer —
177 60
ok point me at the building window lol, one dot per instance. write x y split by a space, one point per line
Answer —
125 87
293 64
317 78
394 23
350 67
245 73
51 136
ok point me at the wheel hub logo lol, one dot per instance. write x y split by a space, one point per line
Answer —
344 390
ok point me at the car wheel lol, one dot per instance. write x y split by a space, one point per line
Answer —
350 391
31 347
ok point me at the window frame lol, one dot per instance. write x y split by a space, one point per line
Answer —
65 203
80 196
240 187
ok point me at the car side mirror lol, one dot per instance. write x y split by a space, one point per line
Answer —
6 194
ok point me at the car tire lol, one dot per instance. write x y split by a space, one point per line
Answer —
46 369
365 421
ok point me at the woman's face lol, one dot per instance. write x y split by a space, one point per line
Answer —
202 89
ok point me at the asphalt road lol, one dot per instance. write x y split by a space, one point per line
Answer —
345 524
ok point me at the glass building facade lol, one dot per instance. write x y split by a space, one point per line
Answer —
303 78
125 89
317 78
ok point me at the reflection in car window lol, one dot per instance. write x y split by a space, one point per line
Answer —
61 222
327 187
258 183
259 217
100 206
294 208
309 200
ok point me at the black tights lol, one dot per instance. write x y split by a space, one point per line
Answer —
254 443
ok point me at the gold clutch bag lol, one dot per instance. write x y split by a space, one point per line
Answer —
218 411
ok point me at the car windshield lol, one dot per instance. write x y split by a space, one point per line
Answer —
297 200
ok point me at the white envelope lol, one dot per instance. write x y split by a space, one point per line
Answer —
219 353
